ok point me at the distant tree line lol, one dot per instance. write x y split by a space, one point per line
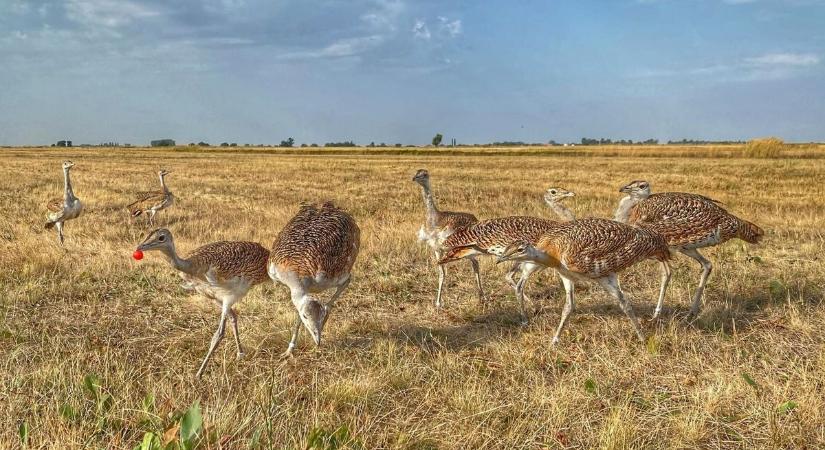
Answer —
702 142
603 141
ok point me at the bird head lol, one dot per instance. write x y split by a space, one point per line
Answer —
67 165
160 239
313 316
422 176
518 251
557 194
638 188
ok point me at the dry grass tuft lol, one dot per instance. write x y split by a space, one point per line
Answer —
770 147
395 373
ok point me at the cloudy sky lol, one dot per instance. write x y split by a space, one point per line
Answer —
259 71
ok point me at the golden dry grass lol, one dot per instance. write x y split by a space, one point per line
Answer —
393 370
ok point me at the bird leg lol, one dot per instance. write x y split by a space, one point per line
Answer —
707 267
233 316
569 305
335 296
477 271
526 271
666 272
216 339
441 274
292 342
611 284
152 217
59 226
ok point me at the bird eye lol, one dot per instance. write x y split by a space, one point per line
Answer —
161 238
553 191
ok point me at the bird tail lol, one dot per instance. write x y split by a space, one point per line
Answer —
749 232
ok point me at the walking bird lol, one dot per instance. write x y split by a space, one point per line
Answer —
152 201
591 249
222 271
66 208
438 226
314 252
688 222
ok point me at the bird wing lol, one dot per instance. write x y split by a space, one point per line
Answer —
55 205
146 200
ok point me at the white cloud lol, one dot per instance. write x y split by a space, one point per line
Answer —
784 59
107 13
340 48
421 31
385 15
450 27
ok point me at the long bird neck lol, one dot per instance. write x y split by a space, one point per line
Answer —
68 194
429 201
544 259
562 211
163 184
625 206
180 264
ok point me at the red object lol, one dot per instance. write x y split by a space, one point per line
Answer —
138 255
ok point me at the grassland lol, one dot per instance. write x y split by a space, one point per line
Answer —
393 371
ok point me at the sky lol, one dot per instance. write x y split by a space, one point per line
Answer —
399 71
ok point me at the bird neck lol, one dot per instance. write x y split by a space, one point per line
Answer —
163 183
68 194
625 206
562 211
180 264
544 259
429 200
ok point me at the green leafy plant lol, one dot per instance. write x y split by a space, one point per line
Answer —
787 407
590 386
23 433
748 379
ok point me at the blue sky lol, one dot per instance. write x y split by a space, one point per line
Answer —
259 71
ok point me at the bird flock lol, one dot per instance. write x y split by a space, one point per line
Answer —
317 248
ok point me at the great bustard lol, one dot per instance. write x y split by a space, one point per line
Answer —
222 271
439 225
152 201
591 249
491 237
314 252
66 208
688 222
553 197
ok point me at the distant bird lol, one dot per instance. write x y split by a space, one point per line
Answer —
152 201
66 208
491 237
314 252
553 197
438 226
223 271
688 222
595 250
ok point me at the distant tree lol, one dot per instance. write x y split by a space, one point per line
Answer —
437 139
398 145
372 144
234 144
303 145
203 144
224 144
288 143
313 145
340 144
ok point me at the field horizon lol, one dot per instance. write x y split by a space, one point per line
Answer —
394 372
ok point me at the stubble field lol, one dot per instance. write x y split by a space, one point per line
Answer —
394 372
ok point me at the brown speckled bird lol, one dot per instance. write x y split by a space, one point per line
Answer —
152 201
439 225
314 252
222 271
491 237
591 249
63 208
688 222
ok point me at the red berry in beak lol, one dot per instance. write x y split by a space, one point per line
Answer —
138 255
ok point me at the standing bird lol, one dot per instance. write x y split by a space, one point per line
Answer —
491 237
553 197
66 208
438 226
314 252
152 201
688 222
591 249
222 271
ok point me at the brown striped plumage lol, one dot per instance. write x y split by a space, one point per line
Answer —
229 259
492 236
319 239
688 222
151 202
595 249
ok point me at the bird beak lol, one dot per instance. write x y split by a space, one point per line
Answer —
571 194
625 190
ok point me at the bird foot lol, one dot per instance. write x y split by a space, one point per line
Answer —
287 355
241 354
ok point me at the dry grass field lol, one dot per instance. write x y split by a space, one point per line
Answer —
394 372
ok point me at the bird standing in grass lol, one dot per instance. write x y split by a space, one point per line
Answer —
66 208
591 250
152 201
687 222
314 252
222 271
437 227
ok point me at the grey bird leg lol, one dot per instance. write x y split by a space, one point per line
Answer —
216 339
666 272
441 275
152 217
611 284
707 267
477 271
59 226
526 272
294 341
335 296
569 305
233 316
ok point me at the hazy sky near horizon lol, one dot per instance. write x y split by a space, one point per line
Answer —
259 71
